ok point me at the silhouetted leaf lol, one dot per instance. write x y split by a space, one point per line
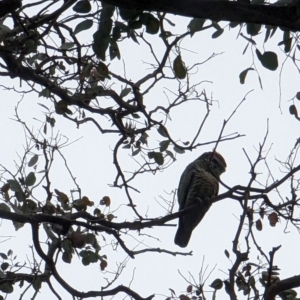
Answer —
268 59
30 179
14 185
100 44
67 257
33 160
243 75
179 68
82 7
127 14
258 224
114 50
157 156
273 219
253 29
217 284
4 207
195 25
293 110
125 92
217 33
3 255
37 283
151 23
84 25
178 150
164 145
4 266
66 46
161 131
6 288
226 253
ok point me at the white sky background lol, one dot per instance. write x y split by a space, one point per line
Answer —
90 160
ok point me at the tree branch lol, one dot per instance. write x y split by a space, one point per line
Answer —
220 10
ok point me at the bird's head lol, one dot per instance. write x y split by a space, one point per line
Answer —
214 162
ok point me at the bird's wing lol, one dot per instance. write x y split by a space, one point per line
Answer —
185 183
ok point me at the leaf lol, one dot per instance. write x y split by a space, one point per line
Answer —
67 257
217 33
4 266
84 25
33 160
268 59
3 255
288 44
179 68
293 110
82 7
20 196
253 29
135 152
6 288
103 264
44 106
243 75
17 225
152 26
114 50
61 107
170 154
4 207
233 24
189 288
30 179
14 185
178 150
161 130
217 284
105 201
110 217
128 14
37 283
125 92
100 44
226 253
51 121
164 145
273 219
258 224
67 246
195 25
157 156
128 146
67 46
45 93
184 297
151 23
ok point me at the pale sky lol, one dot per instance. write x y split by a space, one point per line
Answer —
90 160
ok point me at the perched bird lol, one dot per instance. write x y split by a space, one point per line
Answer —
198 184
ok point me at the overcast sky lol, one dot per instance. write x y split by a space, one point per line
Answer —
90 159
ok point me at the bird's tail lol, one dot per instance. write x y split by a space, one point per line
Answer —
182 237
